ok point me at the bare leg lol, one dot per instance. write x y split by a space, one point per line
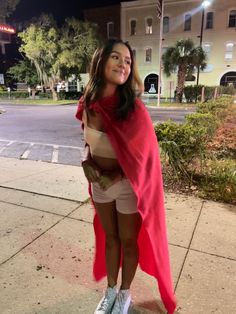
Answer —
108 217
129 227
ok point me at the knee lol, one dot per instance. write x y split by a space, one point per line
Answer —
129 245
112 240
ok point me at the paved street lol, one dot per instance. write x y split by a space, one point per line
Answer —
51 133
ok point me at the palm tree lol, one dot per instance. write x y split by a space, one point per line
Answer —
184 57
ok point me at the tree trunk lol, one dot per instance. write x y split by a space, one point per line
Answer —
180 83
33 91
54 93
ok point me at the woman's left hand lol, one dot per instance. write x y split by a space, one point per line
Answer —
107 179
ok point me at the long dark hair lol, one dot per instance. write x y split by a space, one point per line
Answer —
97 82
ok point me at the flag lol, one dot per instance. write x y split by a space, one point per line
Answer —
159 8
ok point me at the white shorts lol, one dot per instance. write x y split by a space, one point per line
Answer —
121 192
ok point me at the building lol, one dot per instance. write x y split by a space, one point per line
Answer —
140 26
5 38
108 20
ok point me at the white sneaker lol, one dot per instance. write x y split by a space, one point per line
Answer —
107 301
122 302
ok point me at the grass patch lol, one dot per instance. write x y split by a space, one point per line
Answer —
171 104
39 102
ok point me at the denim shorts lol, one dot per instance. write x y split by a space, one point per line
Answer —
121 192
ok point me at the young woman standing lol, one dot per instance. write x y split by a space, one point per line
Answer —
122 166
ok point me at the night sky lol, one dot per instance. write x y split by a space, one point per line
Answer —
60 9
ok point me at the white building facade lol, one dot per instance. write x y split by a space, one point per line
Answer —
182 19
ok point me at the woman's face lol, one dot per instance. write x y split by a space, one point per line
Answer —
118 66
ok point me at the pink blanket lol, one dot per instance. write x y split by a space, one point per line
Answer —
136 148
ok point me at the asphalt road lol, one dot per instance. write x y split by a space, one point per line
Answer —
51 133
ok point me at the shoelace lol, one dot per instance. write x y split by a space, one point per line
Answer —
119 302
105 302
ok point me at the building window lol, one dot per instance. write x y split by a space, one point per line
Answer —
187 22
148 55
209 20
229 49
166 24
232 18
110 30
207 48
133 27
149 25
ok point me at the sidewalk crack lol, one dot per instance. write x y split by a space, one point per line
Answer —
36 238
189 245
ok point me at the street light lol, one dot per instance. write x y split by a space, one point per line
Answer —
204 5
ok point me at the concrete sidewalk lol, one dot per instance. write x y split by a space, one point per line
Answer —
47 242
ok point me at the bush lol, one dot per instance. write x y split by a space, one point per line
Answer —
42 95
192 93
209 92
69 95
227 90
218 107
187 157
218 180
203 120
2 88
14 94
180 143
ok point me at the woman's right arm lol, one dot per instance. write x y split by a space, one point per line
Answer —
91 170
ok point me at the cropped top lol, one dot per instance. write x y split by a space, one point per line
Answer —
98 141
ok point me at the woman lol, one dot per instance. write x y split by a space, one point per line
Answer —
123 168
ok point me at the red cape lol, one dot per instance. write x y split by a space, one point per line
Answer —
136 148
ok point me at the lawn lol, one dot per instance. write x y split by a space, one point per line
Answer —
39 101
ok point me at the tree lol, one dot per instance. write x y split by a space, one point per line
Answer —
7 7
40 46
183 58
58 53
25 71
78 43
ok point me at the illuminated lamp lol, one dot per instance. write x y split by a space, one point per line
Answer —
7 29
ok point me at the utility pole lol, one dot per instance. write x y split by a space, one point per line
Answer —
161 11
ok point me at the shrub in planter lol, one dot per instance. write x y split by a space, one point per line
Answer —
203 120
181 143
218 107
218 180
187 157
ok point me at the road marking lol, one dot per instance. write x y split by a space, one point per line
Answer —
26 152
55 153
54 148
46 144
4 147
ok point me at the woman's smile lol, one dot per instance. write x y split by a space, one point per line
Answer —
118 66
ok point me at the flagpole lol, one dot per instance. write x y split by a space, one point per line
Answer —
160 55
